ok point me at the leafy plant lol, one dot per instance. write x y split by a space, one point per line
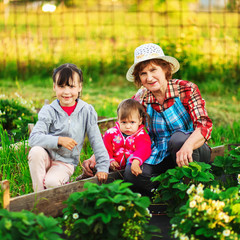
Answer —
209 213
15 116
109 211
227 167
174 183
27 225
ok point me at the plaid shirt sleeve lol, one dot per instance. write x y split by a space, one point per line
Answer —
196 107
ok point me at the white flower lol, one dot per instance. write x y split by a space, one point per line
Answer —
75 216
65 217
182 221
192 204
121 208
174 225
226 232
184 237
176 234
238 178
189 191
200 189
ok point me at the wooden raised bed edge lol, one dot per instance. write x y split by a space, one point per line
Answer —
50 201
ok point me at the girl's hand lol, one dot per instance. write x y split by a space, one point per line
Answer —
67 142
114 165
135 168
102 177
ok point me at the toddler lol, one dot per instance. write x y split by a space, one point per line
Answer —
128 142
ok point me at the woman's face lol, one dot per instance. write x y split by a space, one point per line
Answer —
153 78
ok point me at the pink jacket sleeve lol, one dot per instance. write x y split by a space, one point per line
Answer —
107 139
143 148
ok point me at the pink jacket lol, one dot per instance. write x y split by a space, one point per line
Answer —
136 146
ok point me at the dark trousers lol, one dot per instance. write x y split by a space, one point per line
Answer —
143 184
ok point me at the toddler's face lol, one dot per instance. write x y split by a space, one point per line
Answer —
130 125
67 95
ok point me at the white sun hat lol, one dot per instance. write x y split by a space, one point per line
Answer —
150 51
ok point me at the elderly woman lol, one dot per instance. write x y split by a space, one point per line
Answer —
179 125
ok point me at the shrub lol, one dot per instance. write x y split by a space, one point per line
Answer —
109 211
226 167
209 213
27 225
174 183
15 114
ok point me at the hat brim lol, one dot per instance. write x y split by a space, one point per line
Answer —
172 60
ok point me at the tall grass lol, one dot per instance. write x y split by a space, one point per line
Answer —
13 164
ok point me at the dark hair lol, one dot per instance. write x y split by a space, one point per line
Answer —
126 107
166 66
65 74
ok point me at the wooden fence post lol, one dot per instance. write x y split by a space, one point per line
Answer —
6 194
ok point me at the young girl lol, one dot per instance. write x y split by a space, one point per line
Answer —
58 136
128 142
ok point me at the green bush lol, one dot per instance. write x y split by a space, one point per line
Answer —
174 183
27 225
15 115
210 213
226 168
109 211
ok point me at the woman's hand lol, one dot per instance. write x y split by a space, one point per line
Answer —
135 168
67 142
114 165
102 177
184 155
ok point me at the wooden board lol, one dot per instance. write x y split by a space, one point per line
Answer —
217 151
50 201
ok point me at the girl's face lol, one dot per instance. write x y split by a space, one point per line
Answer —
130 125
67 95
153 78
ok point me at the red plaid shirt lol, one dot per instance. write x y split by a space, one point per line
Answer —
191 99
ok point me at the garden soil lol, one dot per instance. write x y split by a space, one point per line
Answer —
161 220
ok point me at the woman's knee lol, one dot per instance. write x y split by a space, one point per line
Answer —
177 140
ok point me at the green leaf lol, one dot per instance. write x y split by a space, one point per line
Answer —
201 231
236 208
187 171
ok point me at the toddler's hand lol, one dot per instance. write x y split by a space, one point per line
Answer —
135 168
102 177
114 165
67 142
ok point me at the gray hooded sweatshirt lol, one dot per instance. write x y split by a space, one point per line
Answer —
53 122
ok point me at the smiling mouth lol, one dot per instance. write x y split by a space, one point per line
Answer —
152 83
